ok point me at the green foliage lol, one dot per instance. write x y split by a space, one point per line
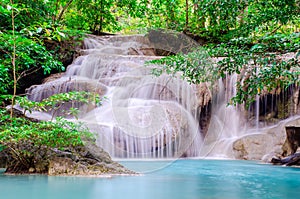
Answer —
260 71
57 134
272 43
30 57
5 99
245 31
267 75
92 15
195 67
45 31
224 20
26 142
261 14
281 42
55 102
145 14
29 54
213 18
36 32
5 78
28 12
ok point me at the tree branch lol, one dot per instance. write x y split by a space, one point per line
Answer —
28 72
63 10
6 52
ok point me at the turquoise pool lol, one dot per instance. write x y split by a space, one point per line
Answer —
190 179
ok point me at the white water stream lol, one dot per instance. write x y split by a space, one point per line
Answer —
143 116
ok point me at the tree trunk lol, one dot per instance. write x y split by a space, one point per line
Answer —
101 17
186 14
63 10
13 61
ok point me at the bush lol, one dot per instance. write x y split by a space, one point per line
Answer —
27 142
30 57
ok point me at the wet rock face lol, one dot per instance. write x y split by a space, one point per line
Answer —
204 119
168 42
292 141
277 105
255 147
281 140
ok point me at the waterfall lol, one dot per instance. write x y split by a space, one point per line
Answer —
141 116
227 122
258 133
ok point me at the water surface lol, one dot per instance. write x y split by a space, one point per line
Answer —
191 179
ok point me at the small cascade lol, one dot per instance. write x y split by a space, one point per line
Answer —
257 99
142 116
256 134
226 124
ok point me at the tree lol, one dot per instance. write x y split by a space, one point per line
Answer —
13 58
20 56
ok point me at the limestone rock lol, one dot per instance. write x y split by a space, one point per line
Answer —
53 77
292 141
265 144
88 160
204 94
252 147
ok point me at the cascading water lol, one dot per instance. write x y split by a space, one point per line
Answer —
142 116
235 133
226 124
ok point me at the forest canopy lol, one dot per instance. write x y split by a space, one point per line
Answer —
237 29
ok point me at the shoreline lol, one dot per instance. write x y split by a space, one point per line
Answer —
104 175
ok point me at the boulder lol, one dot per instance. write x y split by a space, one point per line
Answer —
266 143
87 160
292 141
